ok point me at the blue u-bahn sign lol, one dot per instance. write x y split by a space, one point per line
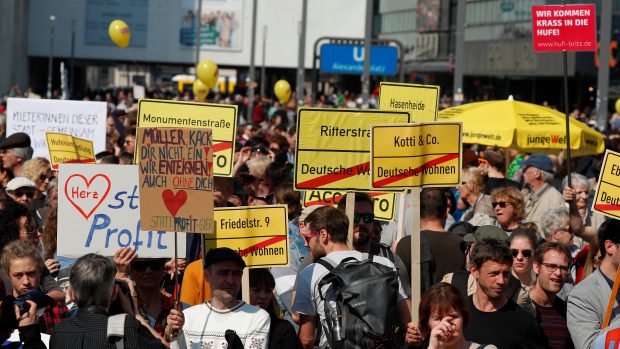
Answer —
349 59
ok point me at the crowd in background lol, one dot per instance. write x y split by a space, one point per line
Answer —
513 257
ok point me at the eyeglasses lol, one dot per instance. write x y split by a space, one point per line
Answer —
553 267
44 176
310 235
501 204
29 194
141 266
526 253
367 217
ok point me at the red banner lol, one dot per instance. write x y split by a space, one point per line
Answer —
564 28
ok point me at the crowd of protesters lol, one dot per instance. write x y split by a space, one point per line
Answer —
511 258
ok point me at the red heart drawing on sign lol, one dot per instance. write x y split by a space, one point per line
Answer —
87 195
174 201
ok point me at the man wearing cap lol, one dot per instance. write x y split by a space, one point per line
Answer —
207 323
21 190
588 301
14 151
539 196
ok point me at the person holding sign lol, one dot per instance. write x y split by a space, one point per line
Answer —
538 194
207 323
589 299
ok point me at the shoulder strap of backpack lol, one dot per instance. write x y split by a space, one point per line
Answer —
327 263
116 330
385 251
459 280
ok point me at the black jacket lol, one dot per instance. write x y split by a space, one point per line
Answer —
88 329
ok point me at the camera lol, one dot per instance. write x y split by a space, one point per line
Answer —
7 312
34 295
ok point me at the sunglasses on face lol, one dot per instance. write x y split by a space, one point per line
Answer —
29 194
44 176
367 217
526 253
310 235
142 265
501 204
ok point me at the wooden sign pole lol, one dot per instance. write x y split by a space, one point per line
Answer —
416 277
350 211
245 285
401 216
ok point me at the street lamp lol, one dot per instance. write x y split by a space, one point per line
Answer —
51 57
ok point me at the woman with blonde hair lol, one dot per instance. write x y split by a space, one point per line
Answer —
40 172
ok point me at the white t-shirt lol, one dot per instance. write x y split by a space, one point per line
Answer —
205 326
308 300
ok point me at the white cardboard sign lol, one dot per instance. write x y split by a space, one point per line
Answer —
35 117
98 212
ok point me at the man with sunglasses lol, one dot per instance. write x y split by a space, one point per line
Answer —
21 190
363 226
588 301
551 267
327 238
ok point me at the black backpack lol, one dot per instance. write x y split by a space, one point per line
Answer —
364 313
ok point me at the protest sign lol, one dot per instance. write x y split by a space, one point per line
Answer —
85 150
220 118
383 201
564 27
35 117
333 147
416 155
258 233
98 212
64 148
176 179
607 200
421 101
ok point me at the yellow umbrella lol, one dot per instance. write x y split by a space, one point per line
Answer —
523 126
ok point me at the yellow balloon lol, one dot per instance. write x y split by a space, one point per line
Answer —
208 72
200 90
119 33
618 105
282 89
